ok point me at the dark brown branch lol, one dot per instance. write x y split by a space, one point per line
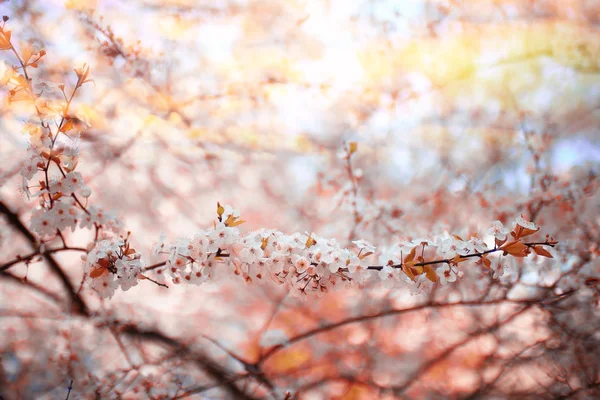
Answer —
214 370
363 318
42 290
79 305
449 260
30 256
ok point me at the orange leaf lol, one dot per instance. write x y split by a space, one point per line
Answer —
411 255
233 221
5 40
98 272
67 126
515 248
430 273
540 251
310 241
520 232
486 262
264 243
104 263
408 271
236 223
457 259
527 232
501 242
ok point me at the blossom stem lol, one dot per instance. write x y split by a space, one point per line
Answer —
449 260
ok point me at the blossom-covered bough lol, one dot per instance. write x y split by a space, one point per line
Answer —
303 263
306 265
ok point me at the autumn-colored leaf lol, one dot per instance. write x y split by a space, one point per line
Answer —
82 74
5 40
20 95
67 126
98 272
408 271
411 255
501 242
486 262
521 232
232 221
47 156
310 241
352 147
457 259
540 251
236 222
104 262
430 273
515 248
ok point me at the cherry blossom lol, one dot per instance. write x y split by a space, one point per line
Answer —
32 164
478 244
364 245
498 269
446 274
525 224
498 230
110 265
447 248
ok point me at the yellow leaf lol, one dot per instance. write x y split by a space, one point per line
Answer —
236 222
264 243
352 147
310 241
220 209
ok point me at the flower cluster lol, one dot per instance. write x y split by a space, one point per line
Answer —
310 264
303 262
53 156
111 264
